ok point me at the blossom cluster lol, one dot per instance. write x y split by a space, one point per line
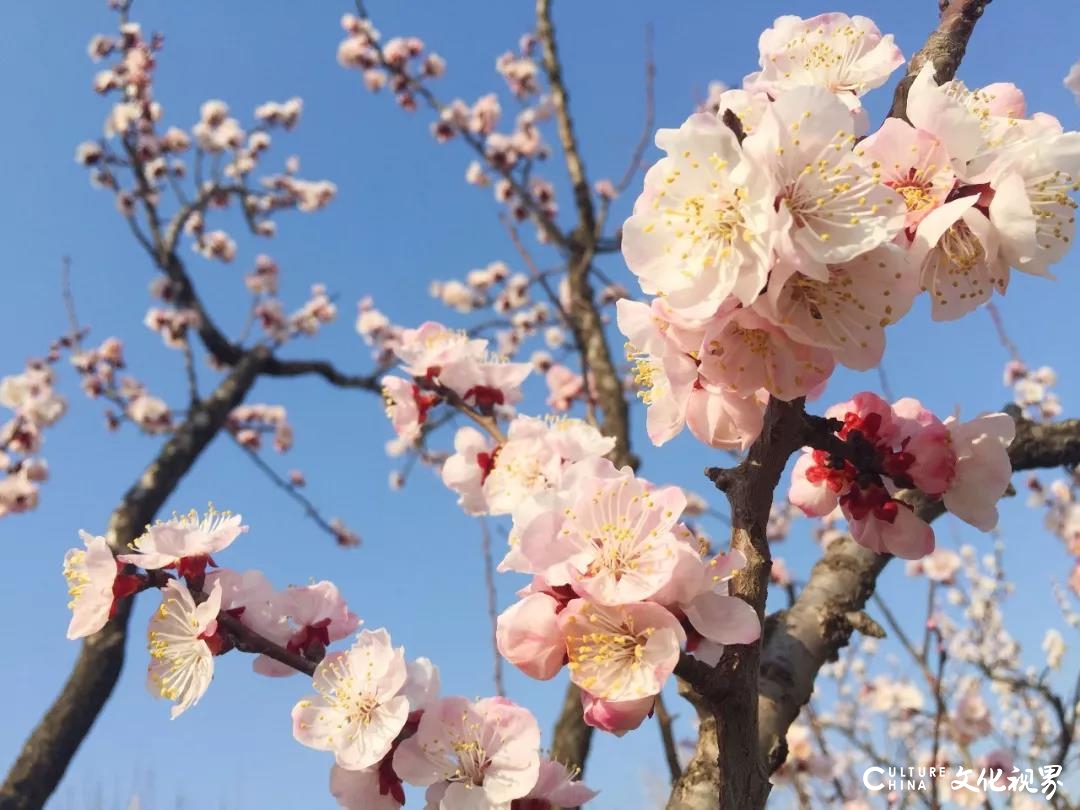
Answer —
904 446
142 162
620 585
447 363
1032 390
507 160
35 405
97 368
381 717
1061 502
780 239
248 423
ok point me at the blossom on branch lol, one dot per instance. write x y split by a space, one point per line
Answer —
180 635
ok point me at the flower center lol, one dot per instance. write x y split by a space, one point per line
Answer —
962 248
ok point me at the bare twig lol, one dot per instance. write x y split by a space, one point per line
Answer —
310 510
667 737
476 144
545 32
68 294
650 116
492 603
1002 333
819 735
1063 714
321 368
939 716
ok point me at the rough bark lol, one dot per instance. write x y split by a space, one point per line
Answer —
699 784
944 48
52 744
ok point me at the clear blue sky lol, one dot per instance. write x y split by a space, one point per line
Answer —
403 216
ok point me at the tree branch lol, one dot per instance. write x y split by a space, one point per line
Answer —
545 32
275 367
249 641
289 489
667 737
944 48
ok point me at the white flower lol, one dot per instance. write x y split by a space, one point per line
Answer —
703 227
184 536
182 663
472 755
90 575
359 710
1054 647
837 203
834 51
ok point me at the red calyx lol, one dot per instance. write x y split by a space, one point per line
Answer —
424 403
836 474
193 569
860 503
124 586
311 635
390 782
562 594
485 397
486 462
216 641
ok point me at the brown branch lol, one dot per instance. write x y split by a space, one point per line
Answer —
289 489
545 32
492 603
1040 446
275 367
698 785
161 247
189 371
667 737
249 641
53 743
730 689
944 48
